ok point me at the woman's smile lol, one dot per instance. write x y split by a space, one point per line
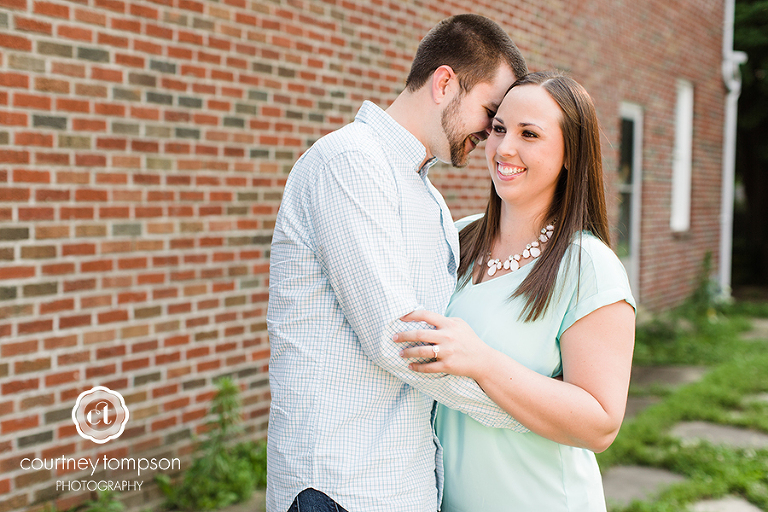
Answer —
509 171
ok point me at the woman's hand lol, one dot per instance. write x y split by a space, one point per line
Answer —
453 346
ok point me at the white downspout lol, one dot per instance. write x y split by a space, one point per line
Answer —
732 79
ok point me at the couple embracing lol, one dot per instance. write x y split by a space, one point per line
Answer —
421 365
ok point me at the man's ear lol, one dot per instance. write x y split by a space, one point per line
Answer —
444 80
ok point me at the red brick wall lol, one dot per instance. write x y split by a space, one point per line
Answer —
143 150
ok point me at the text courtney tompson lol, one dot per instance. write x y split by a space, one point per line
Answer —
126 464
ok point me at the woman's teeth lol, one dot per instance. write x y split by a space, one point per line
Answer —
509 170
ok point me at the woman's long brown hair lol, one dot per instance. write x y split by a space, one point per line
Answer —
578 203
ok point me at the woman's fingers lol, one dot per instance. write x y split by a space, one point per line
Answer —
433 363
422 315
440 350
418 336
434 367
422 352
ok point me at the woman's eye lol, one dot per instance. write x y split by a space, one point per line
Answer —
497 128
529 134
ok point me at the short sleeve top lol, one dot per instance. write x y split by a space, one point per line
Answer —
495 470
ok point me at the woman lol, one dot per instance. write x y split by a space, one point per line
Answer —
551 308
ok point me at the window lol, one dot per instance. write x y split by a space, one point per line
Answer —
629 183
680 219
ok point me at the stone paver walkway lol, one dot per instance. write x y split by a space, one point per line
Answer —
729 504
637 404
720 434
667 376
759 330
624 484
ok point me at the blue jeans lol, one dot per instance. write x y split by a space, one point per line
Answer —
312 500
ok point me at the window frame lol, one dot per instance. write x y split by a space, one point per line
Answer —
634 113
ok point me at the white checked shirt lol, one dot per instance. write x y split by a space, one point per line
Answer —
362 238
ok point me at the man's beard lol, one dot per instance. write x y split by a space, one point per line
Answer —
450 123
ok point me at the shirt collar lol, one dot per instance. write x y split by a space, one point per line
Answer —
400 144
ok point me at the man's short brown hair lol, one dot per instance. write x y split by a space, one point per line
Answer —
472 45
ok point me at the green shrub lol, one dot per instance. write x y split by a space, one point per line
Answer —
106 501
222 473
678 340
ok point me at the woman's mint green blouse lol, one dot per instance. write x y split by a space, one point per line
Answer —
495 470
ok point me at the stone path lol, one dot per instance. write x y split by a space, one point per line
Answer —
720 434
665 376
759 330
624 484
636 404
729 504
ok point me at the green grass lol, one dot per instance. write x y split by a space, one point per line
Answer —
739 371
683 340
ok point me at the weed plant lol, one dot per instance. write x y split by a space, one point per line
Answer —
702 331
222 472
106 501
678 339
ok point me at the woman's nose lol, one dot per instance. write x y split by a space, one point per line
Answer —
506 147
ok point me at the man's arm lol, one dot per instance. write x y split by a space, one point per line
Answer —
354 211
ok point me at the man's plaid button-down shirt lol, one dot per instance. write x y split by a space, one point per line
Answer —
362 238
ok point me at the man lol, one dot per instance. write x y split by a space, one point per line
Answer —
363 238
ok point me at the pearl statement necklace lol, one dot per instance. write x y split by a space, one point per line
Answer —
532 250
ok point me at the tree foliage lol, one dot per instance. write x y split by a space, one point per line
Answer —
751 36
750 259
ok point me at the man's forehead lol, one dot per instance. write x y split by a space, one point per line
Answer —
489 94
501 81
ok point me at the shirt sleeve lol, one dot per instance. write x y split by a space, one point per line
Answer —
601 280
355 214
466 221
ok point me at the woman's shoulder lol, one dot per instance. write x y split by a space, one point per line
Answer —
466 221
595 257
600 280
596 261
592 246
